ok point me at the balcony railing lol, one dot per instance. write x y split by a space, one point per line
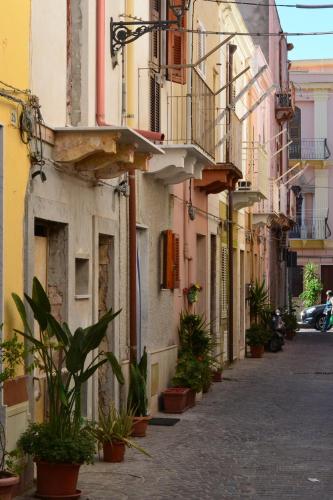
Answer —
317 229
309 149
272 204
200 107
256 158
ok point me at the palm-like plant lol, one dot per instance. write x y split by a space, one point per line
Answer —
137 401
258 300
67 358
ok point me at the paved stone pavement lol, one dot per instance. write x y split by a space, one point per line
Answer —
265 432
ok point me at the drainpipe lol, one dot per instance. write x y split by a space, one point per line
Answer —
100 63
231 50
132 265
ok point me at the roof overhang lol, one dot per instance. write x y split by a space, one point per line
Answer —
218 178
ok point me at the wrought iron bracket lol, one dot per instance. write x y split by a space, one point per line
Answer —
121 33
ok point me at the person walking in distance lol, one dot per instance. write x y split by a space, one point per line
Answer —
328 310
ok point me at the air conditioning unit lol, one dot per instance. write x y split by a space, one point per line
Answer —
244 185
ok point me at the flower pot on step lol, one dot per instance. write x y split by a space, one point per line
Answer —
257 351
217 376
8 483
140 425
114 451
175 399
57 480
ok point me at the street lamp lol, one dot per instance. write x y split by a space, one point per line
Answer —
123 32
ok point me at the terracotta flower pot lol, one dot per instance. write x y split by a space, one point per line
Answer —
8 484
140 426
57 480
191 398
175 399
290 334
114 451
257 351
217 376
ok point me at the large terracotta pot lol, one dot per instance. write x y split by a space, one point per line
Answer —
217 376
114 451
257 351
175 399
8 484
140 426
57 480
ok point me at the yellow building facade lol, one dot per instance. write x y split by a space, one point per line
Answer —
15 166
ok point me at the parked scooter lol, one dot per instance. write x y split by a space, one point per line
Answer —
278 330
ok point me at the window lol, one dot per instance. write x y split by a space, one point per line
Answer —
81 277
155 116
170 260
201 48
176 51
155 37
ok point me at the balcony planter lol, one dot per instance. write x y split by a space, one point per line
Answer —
257 351
140 425
114 451
175 399
57 480
8 484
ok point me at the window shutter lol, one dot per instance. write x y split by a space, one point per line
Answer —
168 253
155 37
224 277
176 50
176 261
155 116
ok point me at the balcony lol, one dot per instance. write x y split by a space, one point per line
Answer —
255 187
285 104
316 229
309 149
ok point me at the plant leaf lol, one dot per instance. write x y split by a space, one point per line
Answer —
39 296
116 368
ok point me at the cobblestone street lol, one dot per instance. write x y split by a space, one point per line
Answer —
265 432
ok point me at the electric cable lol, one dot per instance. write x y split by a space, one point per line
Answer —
240 33
294 6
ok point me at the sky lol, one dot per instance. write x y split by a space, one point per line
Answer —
305 20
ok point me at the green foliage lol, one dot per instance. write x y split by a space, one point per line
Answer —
257 335
188 373
114 425
290 321
68 360
137 401
12 355
258 300
40 441
195 356
312 286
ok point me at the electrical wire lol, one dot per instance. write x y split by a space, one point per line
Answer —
294 6
240 33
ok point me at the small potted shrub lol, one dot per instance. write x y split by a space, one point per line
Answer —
188 375
290 323
113 432
256 337
61 444
137 401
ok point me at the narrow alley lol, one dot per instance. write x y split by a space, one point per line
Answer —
265 432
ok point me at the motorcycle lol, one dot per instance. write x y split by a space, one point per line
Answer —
276 340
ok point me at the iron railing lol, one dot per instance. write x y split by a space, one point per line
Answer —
200 106
272 204
316 229
309 149
257 166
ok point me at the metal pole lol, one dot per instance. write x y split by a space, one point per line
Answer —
231 282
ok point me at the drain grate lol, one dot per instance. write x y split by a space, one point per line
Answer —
313 373
323 373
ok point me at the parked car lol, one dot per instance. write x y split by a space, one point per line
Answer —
313 317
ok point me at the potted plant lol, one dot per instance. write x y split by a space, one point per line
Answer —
256 337
290 323
113 431
11 463
61 444
192 293
188 375
137 401
175 399
258 300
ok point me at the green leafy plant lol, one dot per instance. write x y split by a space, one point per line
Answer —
258 300
115 425
68 360
290 321
40 441
137 401
257 335
312 286
188 373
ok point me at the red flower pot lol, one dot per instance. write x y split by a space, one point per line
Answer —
257 351
217 376
175 399
191 398
57 480
139 428
114 451
8 484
